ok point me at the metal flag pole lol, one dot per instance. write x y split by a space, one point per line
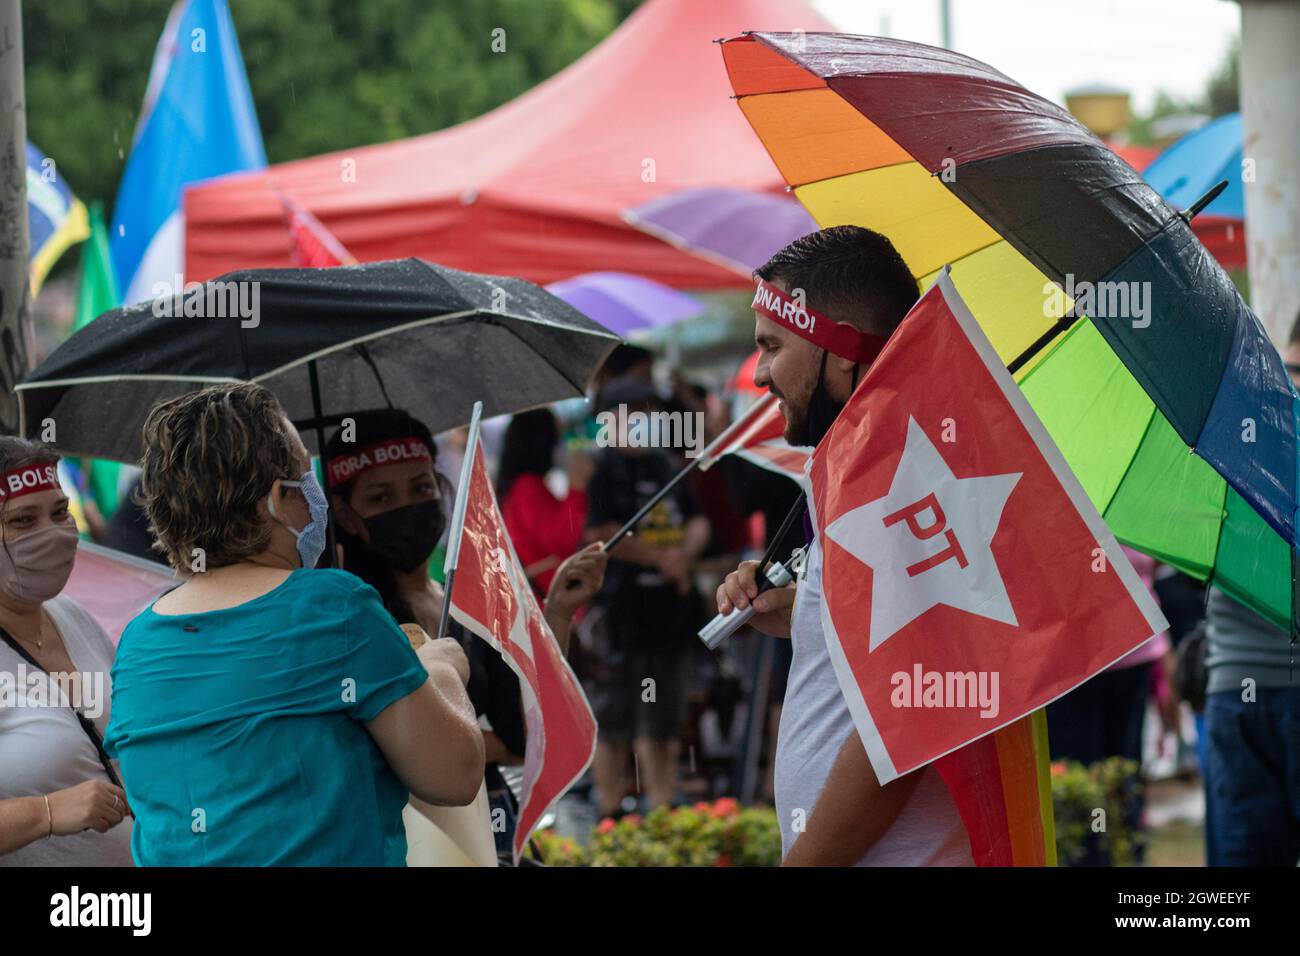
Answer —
458 519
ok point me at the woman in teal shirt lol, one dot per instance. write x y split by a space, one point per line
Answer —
266 713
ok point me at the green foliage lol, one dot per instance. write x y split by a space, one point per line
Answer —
1222 95
1111 785
721 833
325 74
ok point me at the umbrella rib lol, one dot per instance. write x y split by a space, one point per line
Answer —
913 161
491 317
125 377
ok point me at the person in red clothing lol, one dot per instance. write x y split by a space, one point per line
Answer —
545 529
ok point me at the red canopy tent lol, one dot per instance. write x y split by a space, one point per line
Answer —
534 188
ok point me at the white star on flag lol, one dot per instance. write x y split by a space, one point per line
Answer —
928 541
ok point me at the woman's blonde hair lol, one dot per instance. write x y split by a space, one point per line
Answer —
210 458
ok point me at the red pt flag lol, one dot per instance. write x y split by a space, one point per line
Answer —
968 579
491 597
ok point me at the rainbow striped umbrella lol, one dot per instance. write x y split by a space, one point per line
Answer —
1042 224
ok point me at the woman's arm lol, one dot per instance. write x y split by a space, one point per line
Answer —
92 805
431 737
23 820
496 751
575 583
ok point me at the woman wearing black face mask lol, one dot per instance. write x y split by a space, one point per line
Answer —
390 508
390 505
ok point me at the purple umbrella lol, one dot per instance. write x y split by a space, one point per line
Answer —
736 228
625 303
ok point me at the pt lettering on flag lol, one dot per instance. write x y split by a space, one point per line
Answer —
491 597
968 579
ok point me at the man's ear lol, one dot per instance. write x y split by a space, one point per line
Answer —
842 365
839 376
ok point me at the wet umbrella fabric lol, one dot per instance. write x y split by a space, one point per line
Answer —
328 342
958 164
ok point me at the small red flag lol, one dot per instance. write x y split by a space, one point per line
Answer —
491 597
758 436
968 579
311 245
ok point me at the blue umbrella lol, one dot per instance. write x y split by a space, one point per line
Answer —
1193 165
1199 161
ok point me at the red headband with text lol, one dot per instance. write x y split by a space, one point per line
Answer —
26 479
391 451
837 337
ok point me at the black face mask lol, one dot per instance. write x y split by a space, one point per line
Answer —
822 409
406 536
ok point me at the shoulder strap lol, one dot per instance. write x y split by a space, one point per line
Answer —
87 725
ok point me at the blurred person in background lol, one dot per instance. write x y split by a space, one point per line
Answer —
543 528
266 712
651 610
61 802
391 506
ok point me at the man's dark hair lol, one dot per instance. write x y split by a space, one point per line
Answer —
850 271
624 358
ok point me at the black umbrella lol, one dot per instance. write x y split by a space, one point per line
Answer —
328 342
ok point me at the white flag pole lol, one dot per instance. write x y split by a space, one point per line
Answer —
458 519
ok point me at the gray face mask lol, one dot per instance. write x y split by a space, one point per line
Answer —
35 567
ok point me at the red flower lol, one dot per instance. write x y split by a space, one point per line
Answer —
701 807
633 819
726 807
1058 769
722 860
606 825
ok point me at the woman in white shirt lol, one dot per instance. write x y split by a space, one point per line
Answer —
61 802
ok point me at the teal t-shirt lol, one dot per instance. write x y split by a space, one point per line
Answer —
240 731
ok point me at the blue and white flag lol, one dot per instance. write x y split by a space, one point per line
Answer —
197 122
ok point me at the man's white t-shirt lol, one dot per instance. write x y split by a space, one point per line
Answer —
815 723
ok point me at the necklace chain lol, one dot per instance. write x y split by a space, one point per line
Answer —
41 633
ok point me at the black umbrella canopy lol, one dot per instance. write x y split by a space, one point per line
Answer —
406 333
